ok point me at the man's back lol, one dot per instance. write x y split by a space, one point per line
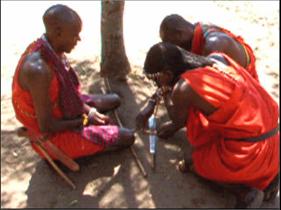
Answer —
220 41
211 38
244 111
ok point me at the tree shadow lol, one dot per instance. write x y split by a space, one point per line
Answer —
164 181
98 182
134 93
17 164
98 175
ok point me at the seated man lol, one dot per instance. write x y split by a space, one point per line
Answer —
46 96
231 121
203 39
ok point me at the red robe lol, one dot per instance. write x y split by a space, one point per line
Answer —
198 43
70 142
244 109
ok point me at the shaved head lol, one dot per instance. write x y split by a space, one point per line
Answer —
59 15
173 22
176 30
63 26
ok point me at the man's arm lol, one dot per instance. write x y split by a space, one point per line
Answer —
177 103
95 118
147 111
182 97
36 77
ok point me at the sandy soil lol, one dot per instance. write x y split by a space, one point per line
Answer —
113 179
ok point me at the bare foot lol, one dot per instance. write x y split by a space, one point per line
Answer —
271 191
252 199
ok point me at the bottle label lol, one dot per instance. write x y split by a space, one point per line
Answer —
152 137
152 143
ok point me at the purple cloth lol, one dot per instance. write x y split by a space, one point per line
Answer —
69 96
105 135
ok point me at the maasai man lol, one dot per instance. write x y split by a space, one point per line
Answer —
231 121
203 39
46 96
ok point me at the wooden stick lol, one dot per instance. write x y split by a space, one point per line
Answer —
145 131
139 164
61 156
49 146
153 166
38 143
53 164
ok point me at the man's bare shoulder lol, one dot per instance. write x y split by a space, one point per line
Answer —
187 96
34 65
217 41
182 89
180 86
221 42
35 72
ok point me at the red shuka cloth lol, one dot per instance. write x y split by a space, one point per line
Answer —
244 109
198 43
70 142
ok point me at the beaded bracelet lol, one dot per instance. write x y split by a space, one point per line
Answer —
152 100
92 111
85 119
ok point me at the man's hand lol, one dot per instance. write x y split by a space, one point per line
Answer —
166 130
96 118
142 117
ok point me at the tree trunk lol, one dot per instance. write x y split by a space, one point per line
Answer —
114 61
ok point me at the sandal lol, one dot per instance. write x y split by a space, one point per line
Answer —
185 166
271 191
252 199
22 132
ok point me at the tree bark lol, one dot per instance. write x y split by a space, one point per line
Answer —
114 61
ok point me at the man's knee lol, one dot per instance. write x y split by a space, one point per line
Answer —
111 101
116 100
126 137
107 102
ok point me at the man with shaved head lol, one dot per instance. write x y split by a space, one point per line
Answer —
203 39
47 99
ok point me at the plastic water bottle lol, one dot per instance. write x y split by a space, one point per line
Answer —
152 137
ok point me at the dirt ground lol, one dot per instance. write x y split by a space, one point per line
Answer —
113 180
